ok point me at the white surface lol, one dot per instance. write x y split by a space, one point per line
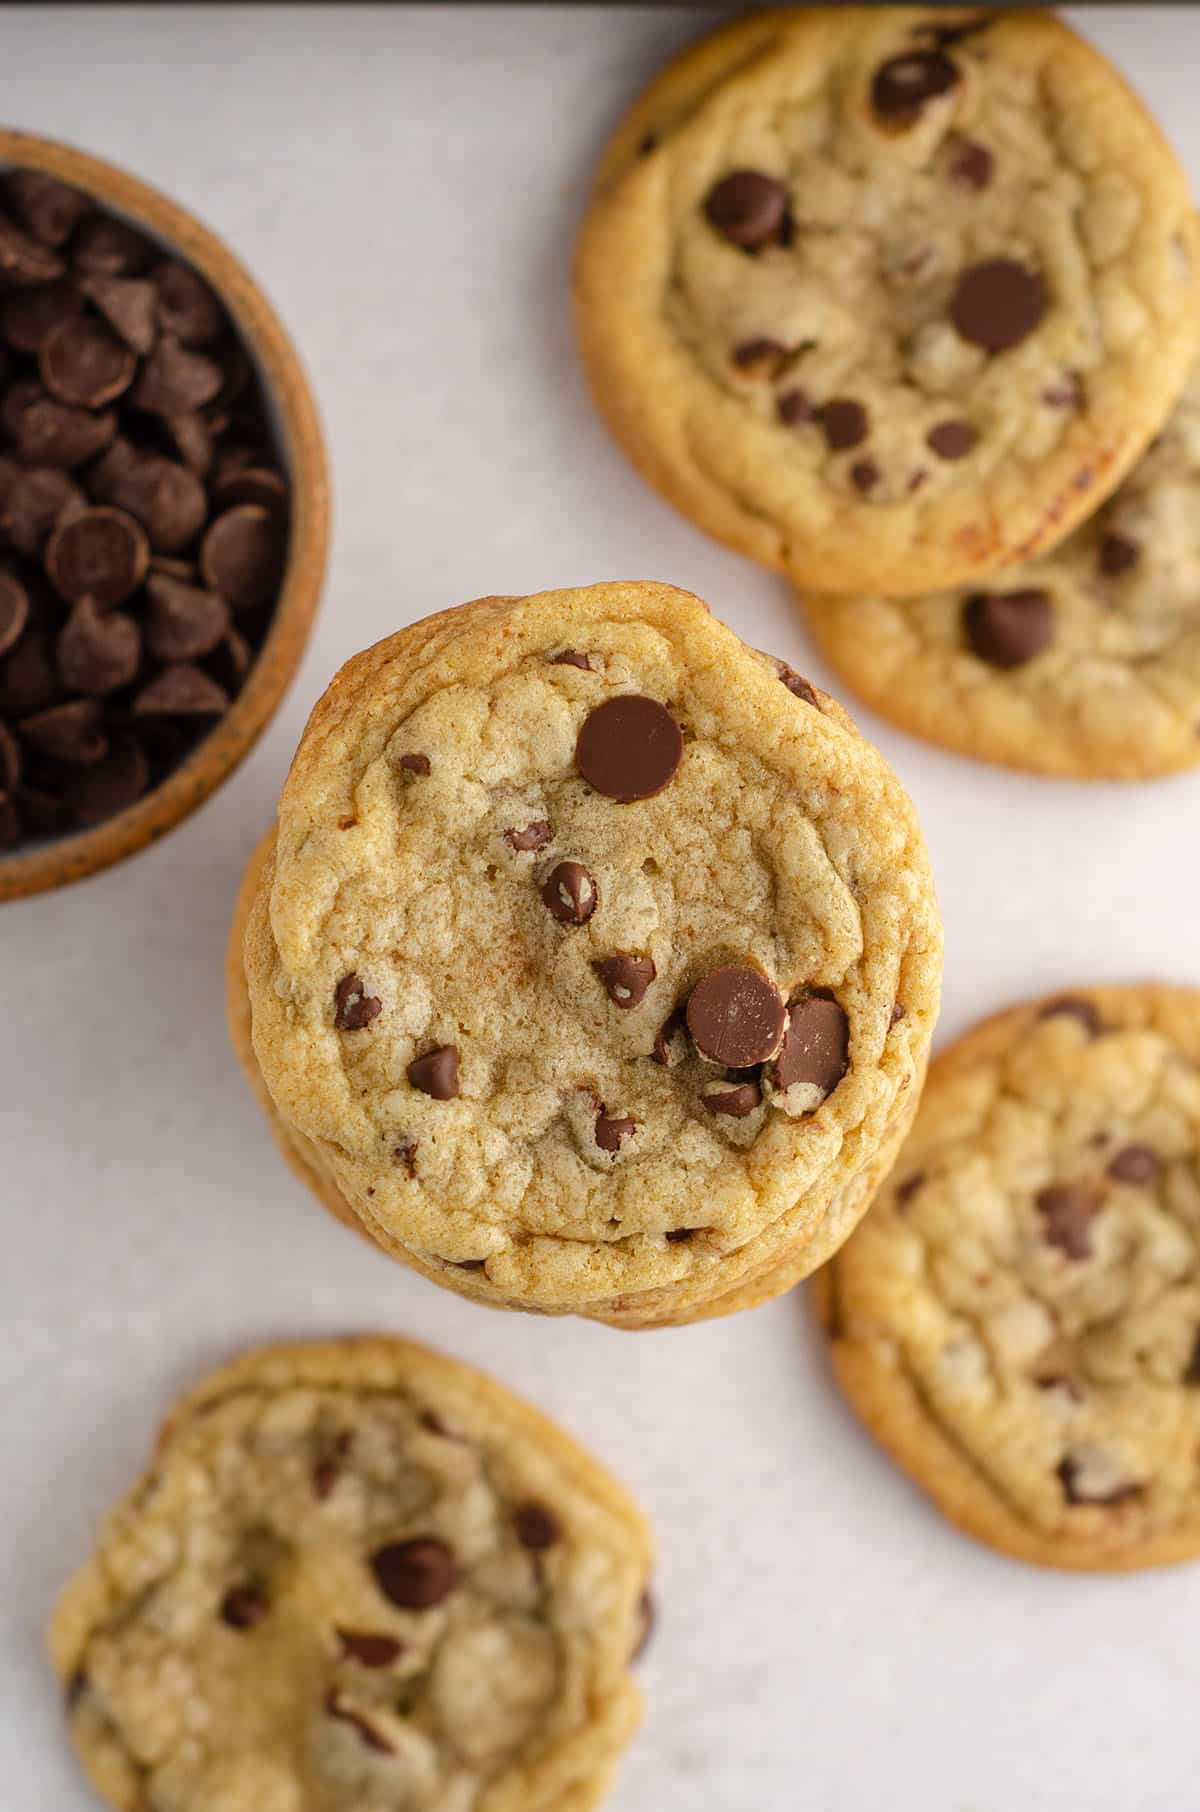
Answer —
406 184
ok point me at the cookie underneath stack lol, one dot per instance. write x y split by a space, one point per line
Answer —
593 963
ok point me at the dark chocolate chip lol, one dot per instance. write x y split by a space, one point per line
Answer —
174 381
415 1575
24 260
48 207
761 357
99 553
816 1045
98 651
626 978
1117 555
436 1072
73 732
110 247
84 364
536 1527
1073 1006
38 500
794 406
30 314
415 763
244 1606
167 499
1135 1164
369 1649
187 307
998 304
1006 629
736 1016
734 1099
181 690
629 748
353 1007
49 433
28 677
612 1131
749 209
671 1028
570 893
530 836
183 623
251 484
1070 1472
903 84
865 475
105 788
192 439
242 556
571 657
14 610
679 1236
129 305
338 1708
797 685
844 422
952 439
972 166
1067 1211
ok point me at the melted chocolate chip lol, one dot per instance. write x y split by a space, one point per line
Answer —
1067 1211
733 1099
1070 1473
415 1575
797 685
530 836
903 84
415 763
865 475
906 1190
679 1236
736 1016
370 1650
671 1028
629 748
1073 1006
973 166
244 1606
571 657
794 407
570 893
951 439
626 978
338 1708
536 1527
749 209
816 1045
1135 1164
436 1073
1117 555
612 1132
354 1008
1006 629
844 422
998 304
761 357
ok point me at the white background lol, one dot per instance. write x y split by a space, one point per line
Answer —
406 185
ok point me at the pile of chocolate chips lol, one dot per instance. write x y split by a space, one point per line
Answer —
143 511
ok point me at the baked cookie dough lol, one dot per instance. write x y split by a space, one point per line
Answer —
595 961
888 297
1018 1319
358 1577
1083 662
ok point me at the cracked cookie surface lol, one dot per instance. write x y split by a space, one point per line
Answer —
358 1577
903 292
1018 1318
593 983
1084 662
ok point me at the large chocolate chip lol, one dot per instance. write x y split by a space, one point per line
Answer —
734 1099
1067 1211
436 1072
14 610
73 732
38 499
46 432
612 1130
998 304
242 556
167 499
129 305
629 748
903 84
1117 554
24 260
338 1707
182 691
570 893
48 207
187 307
530 836
415 1575
844 422
183 623
98 651
353 1007
626 978
31 314
816 1045
100 553
1073 1006
84 364
1135 1164
1006 629
173 380
736 1016
536 1527
951 439
370 1650
243 1606
749 209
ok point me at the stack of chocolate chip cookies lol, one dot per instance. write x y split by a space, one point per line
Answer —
909 309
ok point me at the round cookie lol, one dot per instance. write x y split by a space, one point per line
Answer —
358 1577
903 292
466 961
1018 1319
1083 662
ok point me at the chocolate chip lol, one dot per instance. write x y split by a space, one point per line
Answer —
129 305
570 893
906 1190
629 748
612 1132
903 84
797 685
952 439
647 1618
30 314
436 1073
167 499
794 407
626 978
844 422
998 304
98 651
972 166
1067 1211
369 1649
734 1099
531 836
187 307
761 357
1073 1006
38 499
183 623
48 207
242 556
1066 394
192 440
1070 1473
23 260
181 690
353 1007
536 1527
671 1028
28 677
1006 629
1117 555
14 610
816 1045
415 1575
73 732
100 553
42 814
105 788
243 1606
110 247
1135 1164
338 1708
865 475
736 1016
679 1236
326 1474
50 433
415 763
10 760
571 657
173 380
749 209
84 364
897 1013
251 484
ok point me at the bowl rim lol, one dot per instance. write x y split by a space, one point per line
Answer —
288 393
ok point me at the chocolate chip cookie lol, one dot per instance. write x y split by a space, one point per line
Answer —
595 961
358 1575
888 297
1018 1319
1084 662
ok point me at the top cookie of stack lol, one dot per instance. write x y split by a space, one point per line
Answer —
902 293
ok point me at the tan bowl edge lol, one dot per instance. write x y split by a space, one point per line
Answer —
287 391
